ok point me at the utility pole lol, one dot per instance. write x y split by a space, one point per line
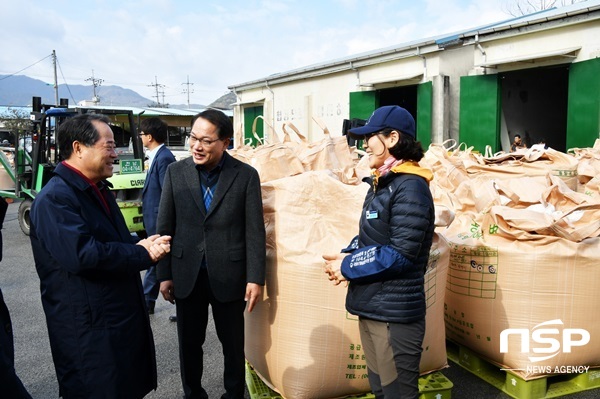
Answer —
95 83
188 90
156 87
55 78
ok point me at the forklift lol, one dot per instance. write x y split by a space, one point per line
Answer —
36 154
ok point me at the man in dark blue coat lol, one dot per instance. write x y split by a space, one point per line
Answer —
89 265
10 384
154 134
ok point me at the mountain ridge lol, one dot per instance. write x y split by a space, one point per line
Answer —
18 90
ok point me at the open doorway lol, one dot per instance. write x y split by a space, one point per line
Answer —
534 105
363 103
404 96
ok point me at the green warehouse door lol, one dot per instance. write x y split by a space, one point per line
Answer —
363 103
424 111
250 114
583 112
479 118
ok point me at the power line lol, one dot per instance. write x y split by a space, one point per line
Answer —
157 86
13 74
95 83
66 84
187 90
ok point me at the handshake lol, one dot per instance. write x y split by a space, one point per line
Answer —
157 246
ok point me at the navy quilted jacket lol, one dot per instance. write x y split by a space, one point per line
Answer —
398 213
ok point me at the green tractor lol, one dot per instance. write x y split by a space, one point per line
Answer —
36 155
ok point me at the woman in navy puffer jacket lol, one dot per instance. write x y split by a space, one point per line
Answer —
385 264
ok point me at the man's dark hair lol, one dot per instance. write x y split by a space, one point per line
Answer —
517 135
155 127
78 128
407 148
219 119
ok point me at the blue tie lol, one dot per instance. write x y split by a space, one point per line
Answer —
208 196
208 181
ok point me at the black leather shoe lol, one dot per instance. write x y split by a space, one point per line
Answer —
173 317
150 306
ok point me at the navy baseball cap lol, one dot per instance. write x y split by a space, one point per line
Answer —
389 116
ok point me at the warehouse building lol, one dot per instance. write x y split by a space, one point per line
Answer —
537 75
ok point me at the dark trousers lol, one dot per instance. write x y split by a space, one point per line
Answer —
151 285
393 353
192 320
10 385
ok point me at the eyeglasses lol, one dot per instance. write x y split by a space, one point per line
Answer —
203 142
143 134
107 147
368 136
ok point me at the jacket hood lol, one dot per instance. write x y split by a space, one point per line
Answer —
413 168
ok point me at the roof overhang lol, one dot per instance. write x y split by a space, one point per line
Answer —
249 102
567 54
421 49
409 78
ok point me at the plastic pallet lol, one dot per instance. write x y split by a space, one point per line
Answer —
431 386
516 387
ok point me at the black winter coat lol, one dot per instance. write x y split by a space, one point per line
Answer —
89 269
399 213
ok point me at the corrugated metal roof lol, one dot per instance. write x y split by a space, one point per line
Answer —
537 17
136 110
346 63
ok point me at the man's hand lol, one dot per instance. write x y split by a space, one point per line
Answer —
157 246
333 266
166 289
253 292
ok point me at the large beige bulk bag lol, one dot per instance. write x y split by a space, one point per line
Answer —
300 340
591 188
275 161
522 287
588 168
446 161
536 161
329 153
272 159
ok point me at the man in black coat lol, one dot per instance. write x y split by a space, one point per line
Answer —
89 268
10 384
212 207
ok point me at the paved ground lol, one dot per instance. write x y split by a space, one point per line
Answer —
20 285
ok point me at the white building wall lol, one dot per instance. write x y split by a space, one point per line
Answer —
528 46
456 63
327 97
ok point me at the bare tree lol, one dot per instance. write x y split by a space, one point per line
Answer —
15 120
517 8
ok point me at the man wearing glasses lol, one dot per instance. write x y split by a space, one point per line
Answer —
89 267
211 205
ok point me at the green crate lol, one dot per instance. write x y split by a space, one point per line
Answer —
553 386
257 388
431 386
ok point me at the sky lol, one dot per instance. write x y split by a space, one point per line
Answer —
214 44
